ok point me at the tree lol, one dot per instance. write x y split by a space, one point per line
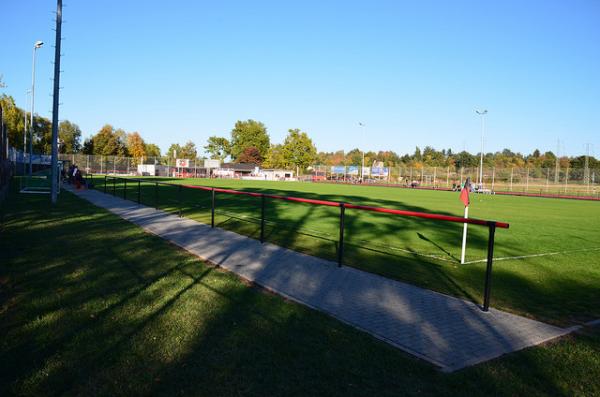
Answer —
247 134
417 156
14 121
174 151
299 150
88 146
187 151
70 136
136 146
275 158
152 150
250 155
110 142
218 148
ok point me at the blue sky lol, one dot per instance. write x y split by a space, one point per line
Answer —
412 72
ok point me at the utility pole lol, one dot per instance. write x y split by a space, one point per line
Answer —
362 167
556 172
55 102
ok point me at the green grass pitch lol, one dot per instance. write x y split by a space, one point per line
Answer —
558 286
90 305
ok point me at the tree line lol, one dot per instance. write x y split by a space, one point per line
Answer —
249 142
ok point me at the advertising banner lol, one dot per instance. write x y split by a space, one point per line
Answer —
379 171
212 163
353 170
182 163
338 169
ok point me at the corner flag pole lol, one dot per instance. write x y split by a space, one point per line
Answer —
464 198
464 239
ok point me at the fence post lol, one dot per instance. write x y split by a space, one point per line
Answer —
341 241
448 177
114 186
527 181
124 189
212 209
511 177
262 218
105 176
488 270
493 177
139 191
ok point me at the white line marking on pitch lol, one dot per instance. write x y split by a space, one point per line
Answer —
505 258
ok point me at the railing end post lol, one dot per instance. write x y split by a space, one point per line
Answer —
488 270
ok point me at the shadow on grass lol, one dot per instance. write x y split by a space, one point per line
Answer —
117 312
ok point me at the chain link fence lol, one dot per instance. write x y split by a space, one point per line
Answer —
555 181
115 165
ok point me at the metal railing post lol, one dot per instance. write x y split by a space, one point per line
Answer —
156 195
124 189
114 186
105 177
262 218
488 270
341 241
179 198
212 209
139 192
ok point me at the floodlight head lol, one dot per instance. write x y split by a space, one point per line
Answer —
482 112
38 44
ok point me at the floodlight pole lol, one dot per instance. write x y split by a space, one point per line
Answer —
55 97
482 113
362 167
38 44
25 133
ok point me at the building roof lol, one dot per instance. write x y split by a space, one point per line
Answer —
239 166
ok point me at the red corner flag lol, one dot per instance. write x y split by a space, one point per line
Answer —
464 193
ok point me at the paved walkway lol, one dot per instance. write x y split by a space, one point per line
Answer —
450 333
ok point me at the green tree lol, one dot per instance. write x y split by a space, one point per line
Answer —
247 134
70 136
152 150
14 119
88 146
217 147
109 142
275 158
299 150
174 151
187 151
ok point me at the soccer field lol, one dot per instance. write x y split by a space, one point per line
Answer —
546 265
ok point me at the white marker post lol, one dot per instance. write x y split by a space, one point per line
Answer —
464 240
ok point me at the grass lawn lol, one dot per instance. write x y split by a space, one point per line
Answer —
561 289
92 305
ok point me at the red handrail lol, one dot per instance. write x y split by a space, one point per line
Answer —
425 215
